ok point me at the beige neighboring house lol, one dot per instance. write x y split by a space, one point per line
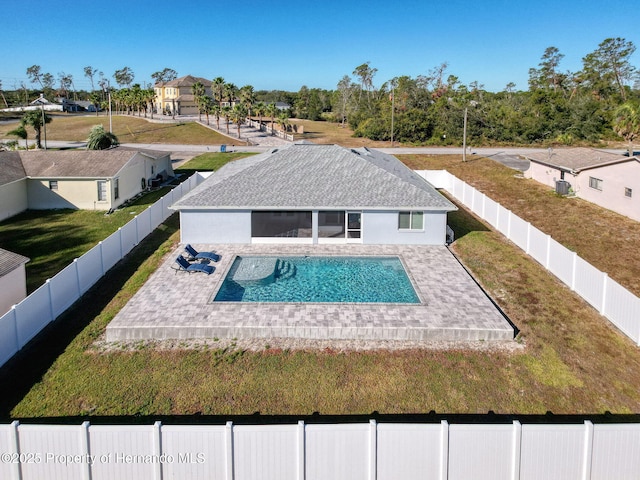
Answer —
176 97
607 179
80 179
13 279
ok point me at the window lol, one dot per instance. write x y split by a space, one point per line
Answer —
595 183
292 224
116 188
628 192
410 221
53 185
102 190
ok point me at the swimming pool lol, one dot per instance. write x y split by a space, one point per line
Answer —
315 279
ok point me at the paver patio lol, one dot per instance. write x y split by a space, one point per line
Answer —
177 305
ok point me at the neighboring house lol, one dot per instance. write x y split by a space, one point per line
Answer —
13 279
606 179
305 193
40 103
81 179
282 106
176 97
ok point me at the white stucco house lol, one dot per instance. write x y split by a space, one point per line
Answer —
607 179
80 179
307 193
13 279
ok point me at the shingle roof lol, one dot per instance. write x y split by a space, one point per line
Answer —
9 261
316 176
187 81
11 168
576 159
70 163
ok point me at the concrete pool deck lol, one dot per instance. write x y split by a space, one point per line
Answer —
177 305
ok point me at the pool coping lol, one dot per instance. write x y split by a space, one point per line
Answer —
174 305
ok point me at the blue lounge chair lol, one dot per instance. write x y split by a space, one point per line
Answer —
185 266
195 255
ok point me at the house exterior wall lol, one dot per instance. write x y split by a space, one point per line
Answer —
213 227
378 227
615 178
546 174
78 194
381 228
13 288
13 198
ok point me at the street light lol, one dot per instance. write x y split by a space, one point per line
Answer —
44 124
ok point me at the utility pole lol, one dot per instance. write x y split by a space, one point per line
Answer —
464 137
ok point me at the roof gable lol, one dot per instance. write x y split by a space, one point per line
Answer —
186 81
316 176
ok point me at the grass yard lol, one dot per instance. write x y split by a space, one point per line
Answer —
128 129
573 361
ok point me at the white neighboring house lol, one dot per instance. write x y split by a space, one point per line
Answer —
13 279
306 193
607 179
80 179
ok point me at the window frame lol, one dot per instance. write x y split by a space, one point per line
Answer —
53 184
595 183
415 216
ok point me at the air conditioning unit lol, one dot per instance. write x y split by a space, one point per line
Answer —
562 187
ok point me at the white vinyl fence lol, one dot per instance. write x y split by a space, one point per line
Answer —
373 451
607 296
26 319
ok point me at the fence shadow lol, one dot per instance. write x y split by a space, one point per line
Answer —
29 364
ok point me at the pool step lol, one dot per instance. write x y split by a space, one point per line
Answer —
284 270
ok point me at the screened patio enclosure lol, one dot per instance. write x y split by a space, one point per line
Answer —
333 226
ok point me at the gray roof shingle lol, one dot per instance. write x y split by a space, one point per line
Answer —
9 261
316 176
68 163
576 159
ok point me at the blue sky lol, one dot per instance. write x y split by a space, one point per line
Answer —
285 45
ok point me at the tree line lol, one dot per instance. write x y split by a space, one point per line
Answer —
596 103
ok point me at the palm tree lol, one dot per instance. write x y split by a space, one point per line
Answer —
248 97
99 139
238 115
626 123
230 93
217 89
226 111
271 111
20 132
260 109
36 119
198 91
207 105
216 110
283 121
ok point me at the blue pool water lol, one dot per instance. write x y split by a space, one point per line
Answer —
317 280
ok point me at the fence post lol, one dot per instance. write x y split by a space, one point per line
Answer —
588 450
301 450
51 312
527 251
75 262
517 450
14 446
444 449
605 285
229 451
548 256
84 445
120 238
157 447
101 258
373 449
16 336
135 220
574 266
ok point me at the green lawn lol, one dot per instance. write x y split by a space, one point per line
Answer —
572 361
